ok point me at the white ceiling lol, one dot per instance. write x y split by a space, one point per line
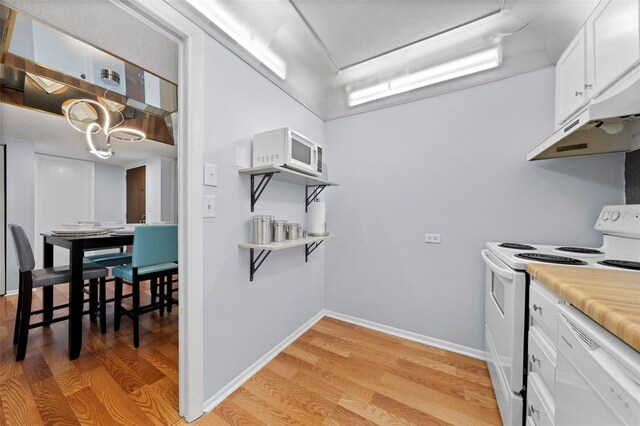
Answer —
354 31
318 38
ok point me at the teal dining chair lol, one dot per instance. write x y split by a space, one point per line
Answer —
154 257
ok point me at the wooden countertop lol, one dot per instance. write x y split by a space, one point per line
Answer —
610 298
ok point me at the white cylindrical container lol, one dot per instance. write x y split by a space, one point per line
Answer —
316 219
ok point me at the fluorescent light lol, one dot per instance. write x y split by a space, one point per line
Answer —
217 15
476 62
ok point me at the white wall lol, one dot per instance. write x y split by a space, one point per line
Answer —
455 165
109 197
20 197
110 192
243 319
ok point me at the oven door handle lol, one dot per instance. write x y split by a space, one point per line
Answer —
503 272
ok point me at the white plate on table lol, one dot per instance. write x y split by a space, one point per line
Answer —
78 232
123 231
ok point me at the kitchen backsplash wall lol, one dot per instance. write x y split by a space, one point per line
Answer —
632 177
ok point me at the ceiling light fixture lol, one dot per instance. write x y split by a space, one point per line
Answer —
218 16
45 85
476 62
83 110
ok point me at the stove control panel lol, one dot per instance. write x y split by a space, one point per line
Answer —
620 220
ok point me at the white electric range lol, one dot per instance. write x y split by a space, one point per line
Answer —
506 286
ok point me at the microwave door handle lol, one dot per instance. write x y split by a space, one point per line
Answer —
503 272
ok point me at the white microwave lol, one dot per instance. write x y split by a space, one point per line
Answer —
284 147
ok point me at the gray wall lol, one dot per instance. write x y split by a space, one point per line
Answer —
110 192
244 320
20 197
632 177
454 165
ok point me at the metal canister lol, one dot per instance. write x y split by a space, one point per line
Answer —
293 231
279 230
261 229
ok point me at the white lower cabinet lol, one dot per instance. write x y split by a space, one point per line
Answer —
541 355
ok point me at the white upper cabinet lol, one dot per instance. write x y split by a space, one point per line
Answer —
571 78
606 47
613 42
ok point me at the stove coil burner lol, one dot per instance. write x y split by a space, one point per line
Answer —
579 250
549 258
517 246
624 264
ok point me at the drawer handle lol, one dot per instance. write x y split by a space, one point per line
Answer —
532 410
537 308
578 93
534 359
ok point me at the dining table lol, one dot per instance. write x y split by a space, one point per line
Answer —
77 245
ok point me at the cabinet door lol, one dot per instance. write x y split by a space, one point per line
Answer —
571 79
613 34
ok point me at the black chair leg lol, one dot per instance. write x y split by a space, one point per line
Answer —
162 296
136 309
103 305
18 311
93 299
169 292
154 291
117 303
23 330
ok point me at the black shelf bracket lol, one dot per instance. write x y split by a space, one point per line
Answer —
256 191
256 262
314 194
309 248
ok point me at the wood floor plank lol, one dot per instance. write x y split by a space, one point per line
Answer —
18 404
88 408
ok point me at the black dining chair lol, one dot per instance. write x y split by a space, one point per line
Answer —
31 278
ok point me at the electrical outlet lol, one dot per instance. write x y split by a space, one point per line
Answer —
209 206
210 174
432 238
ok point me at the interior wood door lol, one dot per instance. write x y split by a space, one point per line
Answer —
136 195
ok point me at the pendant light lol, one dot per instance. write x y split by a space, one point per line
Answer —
88 111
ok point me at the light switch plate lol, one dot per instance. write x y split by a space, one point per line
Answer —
241 157
209 206
210 174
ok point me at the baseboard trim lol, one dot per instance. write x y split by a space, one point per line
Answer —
10 293
239 380
409 335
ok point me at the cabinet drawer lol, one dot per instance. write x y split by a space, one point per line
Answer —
538 407
542 360
543 311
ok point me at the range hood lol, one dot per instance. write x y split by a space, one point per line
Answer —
607 125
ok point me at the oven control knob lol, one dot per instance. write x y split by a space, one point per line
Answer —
615 215
605 216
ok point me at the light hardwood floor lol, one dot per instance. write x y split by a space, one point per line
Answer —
335 374
341 374
111 383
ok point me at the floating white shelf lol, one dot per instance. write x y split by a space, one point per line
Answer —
285 244
309 243
287 175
